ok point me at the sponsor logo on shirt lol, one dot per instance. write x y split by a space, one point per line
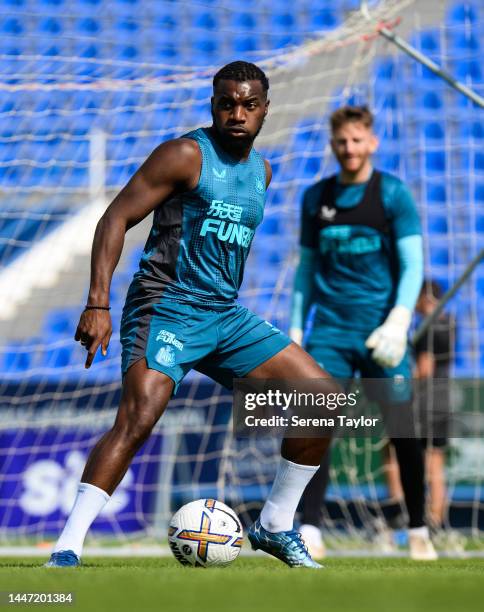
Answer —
224 220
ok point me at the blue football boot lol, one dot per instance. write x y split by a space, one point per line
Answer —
63 558
288 546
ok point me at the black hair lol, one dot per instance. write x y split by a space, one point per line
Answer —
241 71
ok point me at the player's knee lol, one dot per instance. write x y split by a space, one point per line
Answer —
141 429
138 423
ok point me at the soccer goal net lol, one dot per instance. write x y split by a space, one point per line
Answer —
88 89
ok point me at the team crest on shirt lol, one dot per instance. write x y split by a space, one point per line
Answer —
327 213
259 185
166 356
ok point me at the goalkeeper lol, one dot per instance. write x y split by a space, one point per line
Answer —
361 266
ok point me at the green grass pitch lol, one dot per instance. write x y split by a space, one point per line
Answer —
255 584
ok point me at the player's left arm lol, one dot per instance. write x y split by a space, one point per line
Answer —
389 341
268 172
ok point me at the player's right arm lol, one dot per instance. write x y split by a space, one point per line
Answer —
306 269
171 168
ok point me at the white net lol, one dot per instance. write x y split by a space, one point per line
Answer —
87 93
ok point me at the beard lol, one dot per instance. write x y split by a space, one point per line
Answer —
353 168
245 140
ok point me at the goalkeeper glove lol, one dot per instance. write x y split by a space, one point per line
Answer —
389 341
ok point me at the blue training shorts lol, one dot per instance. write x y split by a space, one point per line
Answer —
222 343
342 353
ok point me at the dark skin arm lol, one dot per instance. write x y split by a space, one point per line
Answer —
172 168
268 173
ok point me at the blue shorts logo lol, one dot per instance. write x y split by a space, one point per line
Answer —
166 356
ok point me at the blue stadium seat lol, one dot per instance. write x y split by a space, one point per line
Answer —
168 24
88 26
244 43
437 223
58 356
462 12
387 101
389 131
463 41
436 193
471 160
384 69
275 197
306 167
203 20
435 161
127 52
86 50
439 255
50 25
479 194
282 22
325 19
61 321
431 100
11 26
480 223
167 52
270 225
390 162
15 358
468 69
429 41
468 130
48 48
9 151
120 149
284 40
205 45
16 3
434 130
127 27
124 7
243 21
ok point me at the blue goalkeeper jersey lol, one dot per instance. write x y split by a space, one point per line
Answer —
354 229
200 239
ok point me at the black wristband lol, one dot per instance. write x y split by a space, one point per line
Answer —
97 307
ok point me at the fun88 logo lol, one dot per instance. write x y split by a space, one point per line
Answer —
223 210
227 224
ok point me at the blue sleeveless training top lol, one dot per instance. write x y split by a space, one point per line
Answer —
200 239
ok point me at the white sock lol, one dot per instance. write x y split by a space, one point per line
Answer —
291 480
89 502
423 532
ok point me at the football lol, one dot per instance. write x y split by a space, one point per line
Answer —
205 533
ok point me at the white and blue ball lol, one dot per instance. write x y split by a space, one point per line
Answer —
205 533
